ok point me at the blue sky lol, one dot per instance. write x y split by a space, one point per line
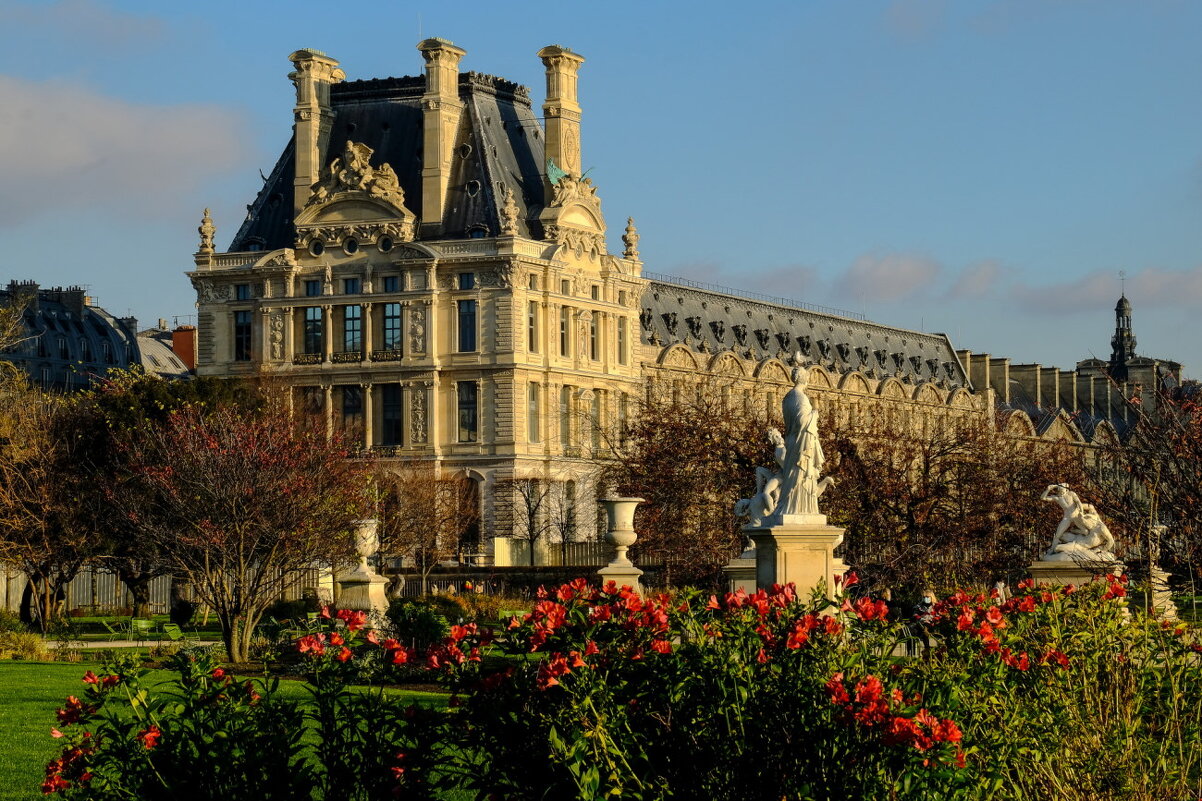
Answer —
981 168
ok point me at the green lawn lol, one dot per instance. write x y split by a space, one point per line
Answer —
30 692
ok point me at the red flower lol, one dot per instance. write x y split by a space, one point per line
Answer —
661 646
964 622
713 604
336 638
355 619
591 648
837 691
311 643
372 637
150 737
1026 584
993 615
90 678
218 674
1027 604
849 579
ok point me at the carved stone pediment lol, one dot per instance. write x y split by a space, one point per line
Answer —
353 194
574 216
284 257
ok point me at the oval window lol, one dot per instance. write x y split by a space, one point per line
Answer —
317 247
351 245
384 244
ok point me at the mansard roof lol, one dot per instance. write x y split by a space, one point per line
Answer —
499 141
714 319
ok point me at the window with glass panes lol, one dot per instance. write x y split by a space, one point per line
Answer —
592 335
313 330
532 326
312 289
392 283
352 329
565 330
391 424
565 416
468 398
391 333
242 334
532 415
623 355
467 325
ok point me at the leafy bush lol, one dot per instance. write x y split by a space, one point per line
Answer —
25 645
598 693
418 622
10 621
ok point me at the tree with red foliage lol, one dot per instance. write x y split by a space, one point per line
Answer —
242 505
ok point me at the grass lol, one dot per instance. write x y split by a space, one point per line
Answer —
30 692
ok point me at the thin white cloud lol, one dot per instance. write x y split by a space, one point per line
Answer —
1151 287
975 281
888 276
88 19
64 146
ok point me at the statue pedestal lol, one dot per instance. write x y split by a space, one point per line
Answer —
1078 573
800 550
363 591
740 572
1161 594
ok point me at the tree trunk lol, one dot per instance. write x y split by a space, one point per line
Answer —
139 587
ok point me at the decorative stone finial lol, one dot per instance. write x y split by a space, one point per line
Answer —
509 214
206 230
631 240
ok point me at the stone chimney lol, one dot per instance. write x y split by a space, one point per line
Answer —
183 343
442 110
999 373
314 74
561 110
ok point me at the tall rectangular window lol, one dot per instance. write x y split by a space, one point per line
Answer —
532 326
594 292
623 416
565 286
351 286
468 398
313 330
352 329
391 424
565 416
623 346
312 289
592 335
392 327
467 280
392 283
467 325
352 413
242 334
595 419
532 416
565 331
242 292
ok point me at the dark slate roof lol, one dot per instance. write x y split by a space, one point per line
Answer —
500 139
67 341
717 319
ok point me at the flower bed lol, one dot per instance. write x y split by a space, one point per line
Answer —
598 693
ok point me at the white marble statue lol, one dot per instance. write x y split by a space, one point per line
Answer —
792 490
767 485
1081 534
802 464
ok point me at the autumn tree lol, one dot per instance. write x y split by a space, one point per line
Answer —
425 516
125 406
524 507
242 505
39 527
955 501
691 454
1156 474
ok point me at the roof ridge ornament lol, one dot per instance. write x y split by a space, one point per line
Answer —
508 213
631 239
207 231
352 172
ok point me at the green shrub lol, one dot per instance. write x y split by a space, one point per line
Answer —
25 645
419 623
10 621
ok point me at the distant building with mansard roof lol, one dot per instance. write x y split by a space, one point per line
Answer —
428 267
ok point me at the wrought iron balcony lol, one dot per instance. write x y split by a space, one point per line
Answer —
347 357
386 355
306 358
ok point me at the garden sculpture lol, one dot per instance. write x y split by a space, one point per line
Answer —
1081 534
795 489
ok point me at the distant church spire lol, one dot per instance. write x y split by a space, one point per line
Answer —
1122 344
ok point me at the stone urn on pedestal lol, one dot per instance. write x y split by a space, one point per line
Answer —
619 516
363 588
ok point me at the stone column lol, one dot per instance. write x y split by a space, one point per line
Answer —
368 416
327 330
289 333
367 332
329 408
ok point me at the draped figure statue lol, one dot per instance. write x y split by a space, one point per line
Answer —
802 464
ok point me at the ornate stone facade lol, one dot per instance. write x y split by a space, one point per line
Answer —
429 269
